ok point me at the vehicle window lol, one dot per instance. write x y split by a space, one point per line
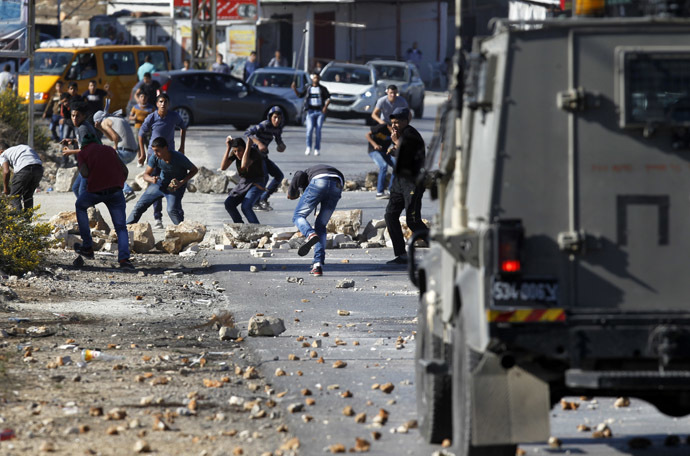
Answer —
657 88
117 63
392 72
205 83
83 67
187 80
228 84
272 80
48 63
415 73
347 75
159 60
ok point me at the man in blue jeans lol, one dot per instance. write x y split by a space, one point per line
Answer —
379 139
251 170
105 175
176 171
318 100
78 111
118 130
262 134
322 185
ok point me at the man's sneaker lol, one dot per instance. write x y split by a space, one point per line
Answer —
158 224
383 196
257 207
88 253
402 259
306 247
265 205
129 196
316 271
316 152
308 151
126 264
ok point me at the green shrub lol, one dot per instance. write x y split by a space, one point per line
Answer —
22 238
14 123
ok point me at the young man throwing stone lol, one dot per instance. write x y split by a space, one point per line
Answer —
322 185
28 172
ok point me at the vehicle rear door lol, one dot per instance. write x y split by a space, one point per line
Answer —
631 170
238 102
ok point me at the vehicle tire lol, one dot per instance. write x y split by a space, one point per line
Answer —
186 115
419 110
433 391
464 361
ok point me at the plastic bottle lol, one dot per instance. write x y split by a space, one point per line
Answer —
89 356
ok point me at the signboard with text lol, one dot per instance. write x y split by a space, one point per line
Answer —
226 9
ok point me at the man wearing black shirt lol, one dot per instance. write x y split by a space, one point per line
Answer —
405 193
250 168
95 99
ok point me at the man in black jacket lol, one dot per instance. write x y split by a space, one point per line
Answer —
405 193
318 100
322 185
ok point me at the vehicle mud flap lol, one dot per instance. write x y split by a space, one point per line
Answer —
509 406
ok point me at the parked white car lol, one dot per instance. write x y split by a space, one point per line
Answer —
354 90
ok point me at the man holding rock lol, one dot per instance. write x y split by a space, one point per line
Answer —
175 171
322 185
405 193
105 175
28 172
251 170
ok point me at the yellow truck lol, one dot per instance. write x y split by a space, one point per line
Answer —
116 65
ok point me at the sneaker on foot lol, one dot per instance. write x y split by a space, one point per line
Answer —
382 196
81 250
126 264
306 247
316 271
308 151
265 205
158 224
129 196
257 207
402 259
316 152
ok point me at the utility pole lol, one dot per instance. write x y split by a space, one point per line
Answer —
203 33
31 39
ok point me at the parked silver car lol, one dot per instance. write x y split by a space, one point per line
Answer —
406 77
278 81
354 90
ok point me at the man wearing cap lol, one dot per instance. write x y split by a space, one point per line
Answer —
405 193
322 186
28 172
105 175
120 133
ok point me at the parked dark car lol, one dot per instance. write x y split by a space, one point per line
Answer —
278 80
406 77
206 97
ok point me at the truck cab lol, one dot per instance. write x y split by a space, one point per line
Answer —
556 262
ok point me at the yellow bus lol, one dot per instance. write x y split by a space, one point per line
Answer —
113 64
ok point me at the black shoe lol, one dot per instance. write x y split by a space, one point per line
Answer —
87 253
316 271
257 207
265 206
306 247
402 259
126 264
129 196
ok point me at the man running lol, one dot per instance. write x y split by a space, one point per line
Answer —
262 135
120 133
251 170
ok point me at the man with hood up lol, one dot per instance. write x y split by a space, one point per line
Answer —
262 135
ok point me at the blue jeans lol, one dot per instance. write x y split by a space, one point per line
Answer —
325 191
271 169
55 129
315 120
248 201
383 161
115 202
79 185
126 157
66 131
154 193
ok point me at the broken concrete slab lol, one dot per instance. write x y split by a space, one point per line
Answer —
345 222
64 179
141 236
265 326
244 232
208 181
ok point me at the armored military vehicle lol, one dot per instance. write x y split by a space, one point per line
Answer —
557 263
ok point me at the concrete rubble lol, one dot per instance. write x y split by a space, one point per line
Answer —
265 326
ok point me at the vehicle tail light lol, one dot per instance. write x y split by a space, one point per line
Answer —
164 87
509 237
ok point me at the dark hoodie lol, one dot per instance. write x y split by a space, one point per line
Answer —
265 131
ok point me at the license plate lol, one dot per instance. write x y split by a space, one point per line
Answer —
334 107
525 292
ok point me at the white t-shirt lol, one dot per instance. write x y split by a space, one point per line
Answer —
5 78
19 157
387 107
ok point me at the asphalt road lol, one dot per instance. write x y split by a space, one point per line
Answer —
383 306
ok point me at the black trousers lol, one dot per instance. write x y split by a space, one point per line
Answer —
404 194
24 184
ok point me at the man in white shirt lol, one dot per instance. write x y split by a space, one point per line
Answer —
28 172
5 78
